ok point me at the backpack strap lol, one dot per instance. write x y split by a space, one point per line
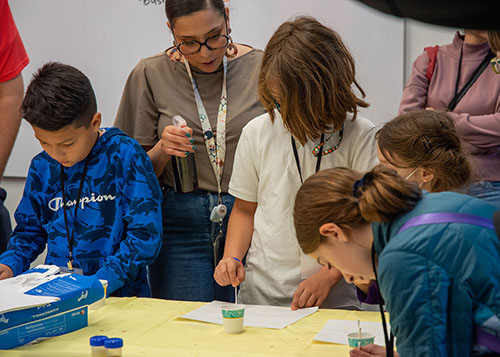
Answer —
447 217
432 52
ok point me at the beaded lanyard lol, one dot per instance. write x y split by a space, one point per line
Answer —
317 150
216 149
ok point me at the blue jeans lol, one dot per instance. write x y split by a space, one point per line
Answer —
185 267
488 191
5 226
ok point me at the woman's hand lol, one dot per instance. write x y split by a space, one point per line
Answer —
229 271
177 141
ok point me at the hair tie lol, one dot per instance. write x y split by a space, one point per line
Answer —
356 187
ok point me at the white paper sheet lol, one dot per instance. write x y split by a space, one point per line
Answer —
335 331
11 300
255 315
12 290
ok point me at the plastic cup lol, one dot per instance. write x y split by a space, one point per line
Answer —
233 315
97 348
100 303
355 341
113 347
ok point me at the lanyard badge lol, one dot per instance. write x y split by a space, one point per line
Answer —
216 147
70 236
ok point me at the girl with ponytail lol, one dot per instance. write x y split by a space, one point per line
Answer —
434 256
424 146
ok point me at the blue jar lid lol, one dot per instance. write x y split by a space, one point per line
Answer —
98 340
113 343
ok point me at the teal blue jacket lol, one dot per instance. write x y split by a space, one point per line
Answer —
440 281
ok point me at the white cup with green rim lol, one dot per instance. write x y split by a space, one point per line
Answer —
233 315
357 339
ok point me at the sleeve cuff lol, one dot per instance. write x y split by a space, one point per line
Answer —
114 282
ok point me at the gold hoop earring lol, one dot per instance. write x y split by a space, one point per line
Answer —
232 50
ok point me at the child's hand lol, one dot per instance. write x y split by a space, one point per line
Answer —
177 141
229 271
315 289
370 350
5 272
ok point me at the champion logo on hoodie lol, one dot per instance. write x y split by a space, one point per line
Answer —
57 202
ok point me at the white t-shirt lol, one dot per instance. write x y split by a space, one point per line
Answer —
265 172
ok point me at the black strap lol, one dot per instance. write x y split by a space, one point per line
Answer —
496 222
296 155
389 340
459 72
80 188
479 70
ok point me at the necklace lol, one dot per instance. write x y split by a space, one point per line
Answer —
318 149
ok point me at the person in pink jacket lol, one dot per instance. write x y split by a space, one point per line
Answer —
434 82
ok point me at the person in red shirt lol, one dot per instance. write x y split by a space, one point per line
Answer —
13 59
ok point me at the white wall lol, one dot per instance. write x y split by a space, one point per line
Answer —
356 34
419 35
105 39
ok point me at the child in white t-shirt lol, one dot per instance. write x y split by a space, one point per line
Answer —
312 124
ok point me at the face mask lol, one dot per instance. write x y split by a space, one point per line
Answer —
412 173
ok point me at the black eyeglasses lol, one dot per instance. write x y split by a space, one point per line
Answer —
216 42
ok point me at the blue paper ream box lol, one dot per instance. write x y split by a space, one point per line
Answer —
75 291
56 325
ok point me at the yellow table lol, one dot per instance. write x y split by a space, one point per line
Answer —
151 327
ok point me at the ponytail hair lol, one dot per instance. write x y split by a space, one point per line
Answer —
427 139
347 198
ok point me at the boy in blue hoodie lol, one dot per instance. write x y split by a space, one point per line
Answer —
92 195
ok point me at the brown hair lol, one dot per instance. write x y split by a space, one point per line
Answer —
494 40
328 197
313 72
427 139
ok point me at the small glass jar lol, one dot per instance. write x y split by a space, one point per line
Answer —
113 347
97 348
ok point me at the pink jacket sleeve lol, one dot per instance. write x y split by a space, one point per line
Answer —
415 91
481 131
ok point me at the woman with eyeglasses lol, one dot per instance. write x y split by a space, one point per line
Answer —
211 82
435 257
458 78
307 85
